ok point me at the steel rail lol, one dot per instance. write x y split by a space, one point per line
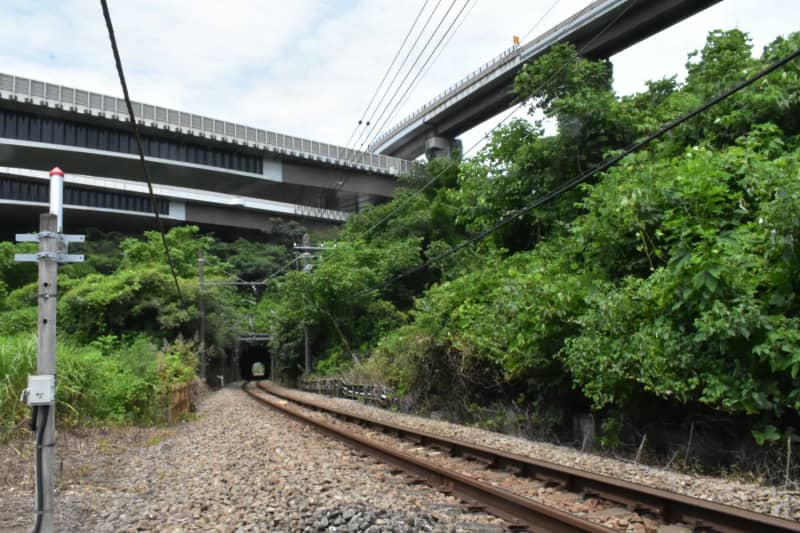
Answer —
669 506
519 511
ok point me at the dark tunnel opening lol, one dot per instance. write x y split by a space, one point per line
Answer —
254 360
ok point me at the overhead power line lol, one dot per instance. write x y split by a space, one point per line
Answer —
446 37
411 85
280 270
450 164
396 74
386 74
408 72
340 183
357 154
602 167
438 54
538 22
137 136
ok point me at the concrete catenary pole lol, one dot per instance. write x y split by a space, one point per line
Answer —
41 391
306 255
49 246
202 308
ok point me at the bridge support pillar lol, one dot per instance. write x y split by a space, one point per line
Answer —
441 147
363 202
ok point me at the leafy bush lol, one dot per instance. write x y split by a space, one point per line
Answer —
109 381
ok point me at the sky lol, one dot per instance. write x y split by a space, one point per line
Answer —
309 67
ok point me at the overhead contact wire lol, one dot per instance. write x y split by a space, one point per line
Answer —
137 136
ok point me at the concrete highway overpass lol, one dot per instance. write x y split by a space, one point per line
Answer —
233 174
599 31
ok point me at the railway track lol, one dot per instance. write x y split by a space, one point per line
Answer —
511 486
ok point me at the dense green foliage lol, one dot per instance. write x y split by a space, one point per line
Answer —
670 280
122 324
109 380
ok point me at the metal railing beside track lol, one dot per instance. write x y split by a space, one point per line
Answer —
337 387
80 101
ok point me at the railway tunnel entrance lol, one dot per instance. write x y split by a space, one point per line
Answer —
253 357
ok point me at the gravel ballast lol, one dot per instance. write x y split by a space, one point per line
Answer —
757 498
238 467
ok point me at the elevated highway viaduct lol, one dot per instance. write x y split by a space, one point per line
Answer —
602 29
122 205
205 170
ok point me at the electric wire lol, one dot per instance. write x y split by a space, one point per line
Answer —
605 165
350 152
279 271
397 73
450 164
341 183
407 74
439 54
408 89
446 38
386 74
42 413
137 136
538 22
531 30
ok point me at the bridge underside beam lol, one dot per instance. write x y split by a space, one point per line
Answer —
118 206
297 183
226 223
635 24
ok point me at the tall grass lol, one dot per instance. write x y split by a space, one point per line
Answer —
110 381
17 360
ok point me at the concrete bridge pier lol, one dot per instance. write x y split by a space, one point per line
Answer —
437 146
